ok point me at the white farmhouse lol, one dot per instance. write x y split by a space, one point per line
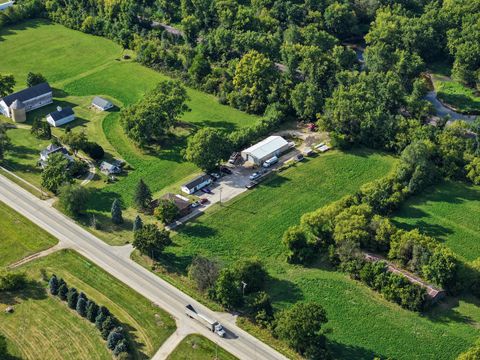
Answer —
61 116
265 149
196 184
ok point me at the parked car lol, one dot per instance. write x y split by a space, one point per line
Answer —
299 157
206 190
225 170
255 175
251 185
215 176
195 204
203 201
270 162
234 158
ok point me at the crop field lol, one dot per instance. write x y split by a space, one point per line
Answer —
41 321
88 66
364 324
196 347
19 237
448 212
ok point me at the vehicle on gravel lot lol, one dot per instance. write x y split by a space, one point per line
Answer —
225 170
206 190
251 185
215 176
255 175
270 162
299 157
195 204
234 158
203 201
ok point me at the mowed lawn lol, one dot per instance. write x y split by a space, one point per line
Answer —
196 347
363 324
450 212
89 66
19 237
43 327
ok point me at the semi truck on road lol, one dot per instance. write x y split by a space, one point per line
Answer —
212 325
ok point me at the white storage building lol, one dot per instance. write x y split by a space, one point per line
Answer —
265 149
61 116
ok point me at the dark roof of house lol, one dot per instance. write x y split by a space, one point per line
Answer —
198 180
179 203
101 102
52 148
61 114
27 94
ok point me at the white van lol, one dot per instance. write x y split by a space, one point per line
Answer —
270 162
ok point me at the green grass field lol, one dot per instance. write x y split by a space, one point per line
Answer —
80 66
363 324
450 213
42 327
19 237
196 347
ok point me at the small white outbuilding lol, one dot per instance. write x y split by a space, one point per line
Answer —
265 149
61 116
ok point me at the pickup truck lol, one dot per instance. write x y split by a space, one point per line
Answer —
212 325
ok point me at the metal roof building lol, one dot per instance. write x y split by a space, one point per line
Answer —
265 149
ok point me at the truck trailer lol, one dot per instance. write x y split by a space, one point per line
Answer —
212 325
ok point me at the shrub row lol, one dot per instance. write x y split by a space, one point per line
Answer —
105 322
356 223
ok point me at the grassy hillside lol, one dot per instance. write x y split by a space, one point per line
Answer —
196 347
42 327
80 66
450 213
19 237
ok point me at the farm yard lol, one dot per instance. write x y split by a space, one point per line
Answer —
364 324
47 323
90 66
448 212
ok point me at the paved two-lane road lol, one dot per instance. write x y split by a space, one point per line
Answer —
71 235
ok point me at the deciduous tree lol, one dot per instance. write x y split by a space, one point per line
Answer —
150 240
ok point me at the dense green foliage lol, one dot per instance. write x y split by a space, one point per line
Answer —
166 211
150 240
56 173
73 199
207 148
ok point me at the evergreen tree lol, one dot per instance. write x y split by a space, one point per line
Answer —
99 320
81 306
138 223
92 310
72 297
53 285
120 348
62 292
143 196
114 338
107 326
116 212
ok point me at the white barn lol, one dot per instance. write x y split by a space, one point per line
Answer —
265 149
61 116
30 99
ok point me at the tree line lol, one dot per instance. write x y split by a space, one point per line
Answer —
106 323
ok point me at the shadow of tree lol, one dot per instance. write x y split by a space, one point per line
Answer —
283 291
31 290
4 355
348 352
